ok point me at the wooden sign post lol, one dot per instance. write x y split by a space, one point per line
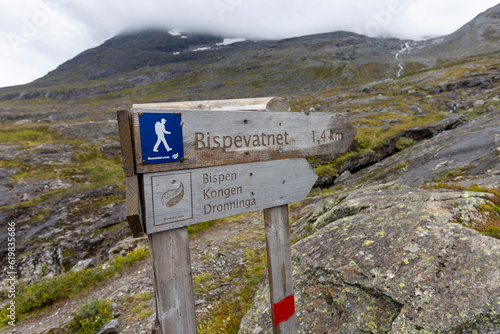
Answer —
190 162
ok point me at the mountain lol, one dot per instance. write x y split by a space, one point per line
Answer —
156 65
479 36
189 66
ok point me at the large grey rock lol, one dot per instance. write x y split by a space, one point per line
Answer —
111 327
401 264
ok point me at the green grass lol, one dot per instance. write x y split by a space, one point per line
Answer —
404 142
369 138
453 173
203 283
197 228
138 305
42 294
97 169
27 136
89 169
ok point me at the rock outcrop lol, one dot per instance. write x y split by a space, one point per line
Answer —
392 259
467 154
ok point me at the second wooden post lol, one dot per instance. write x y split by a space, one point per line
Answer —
279 263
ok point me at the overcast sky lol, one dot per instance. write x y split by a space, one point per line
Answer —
38 35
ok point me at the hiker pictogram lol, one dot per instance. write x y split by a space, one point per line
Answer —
160 133
161 137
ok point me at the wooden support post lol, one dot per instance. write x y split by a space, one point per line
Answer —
173 281
279 263
126 141
133 206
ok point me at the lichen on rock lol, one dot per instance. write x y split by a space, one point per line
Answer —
401 264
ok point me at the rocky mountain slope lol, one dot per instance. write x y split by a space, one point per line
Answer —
479 36
62 184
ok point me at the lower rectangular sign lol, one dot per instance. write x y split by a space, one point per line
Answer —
181 198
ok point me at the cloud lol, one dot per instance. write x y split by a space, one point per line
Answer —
38 35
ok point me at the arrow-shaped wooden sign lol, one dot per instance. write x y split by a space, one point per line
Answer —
168 139
180 198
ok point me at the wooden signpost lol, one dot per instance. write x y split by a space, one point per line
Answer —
190 162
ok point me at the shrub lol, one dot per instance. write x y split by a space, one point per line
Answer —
404 142
91 316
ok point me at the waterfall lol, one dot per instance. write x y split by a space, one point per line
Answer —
404 48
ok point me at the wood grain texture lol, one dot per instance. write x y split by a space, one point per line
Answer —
254 136
253 104
126 141
133 206
180 198
173 281
279 263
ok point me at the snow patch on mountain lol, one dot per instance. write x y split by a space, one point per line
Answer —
202 48
175 32
228 41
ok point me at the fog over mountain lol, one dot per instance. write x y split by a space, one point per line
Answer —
38 35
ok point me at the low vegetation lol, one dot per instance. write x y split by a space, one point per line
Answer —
36 297
138 306
91 316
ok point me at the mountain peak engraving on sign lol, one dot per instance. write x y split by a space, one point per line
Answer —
161 138
172 197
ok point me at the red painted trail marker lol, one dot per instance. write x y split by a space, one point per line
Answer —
189 162
283 310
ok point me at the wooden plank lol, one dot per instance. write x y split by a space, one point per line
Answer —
255 104
133 206
180 198
126 142
279 262
173 281
216 138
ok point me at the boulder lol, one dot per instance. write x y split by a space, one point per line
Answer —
392 259
111 327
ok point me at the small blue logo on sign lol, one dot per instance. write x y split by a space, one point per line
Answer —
161 138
